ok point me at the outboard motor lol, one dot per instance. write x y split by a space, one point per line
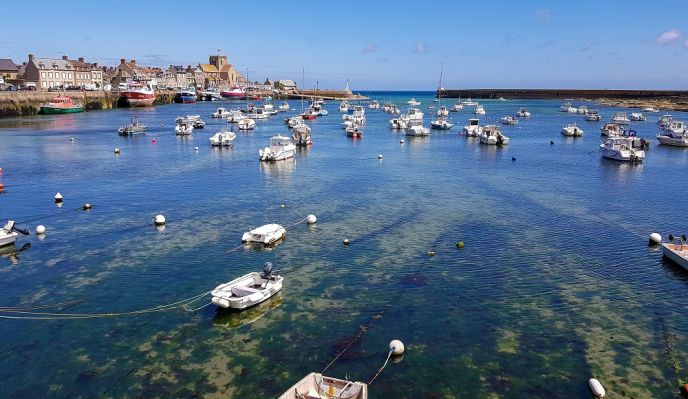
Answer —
10 227
267 271
22 231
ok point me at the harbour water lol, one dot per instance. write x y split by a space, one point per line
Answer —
555 283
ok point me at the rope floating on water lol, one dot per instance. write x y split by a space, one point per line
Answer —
383 366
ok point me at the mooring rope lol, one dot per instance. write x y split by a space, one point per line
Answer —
383 366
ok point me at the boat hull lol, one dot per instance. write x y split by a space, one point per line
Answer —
185 99
48 110
8 238
678 257
676 142
138 99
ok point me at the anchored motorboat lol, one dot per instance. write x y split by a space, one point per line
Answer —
583 110
458 106
302 135
566 107
318 386
280 148
10 233
246 124
650 109
258 113
571 130
479 110
223 138
235 116
469 103
664 121
248 290
492 135
441 123
523 113
636 141
183 129
621 118
593 116
611 129
413 102
621 149
509 120
134 127
283 107
673 139
194 120
676 250
397 123
374 105
442 111
638 116
473 129
344 106
221 113
354 131
267 234
417 131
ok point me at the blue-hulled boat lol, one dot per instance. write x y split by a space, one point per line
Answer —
185 96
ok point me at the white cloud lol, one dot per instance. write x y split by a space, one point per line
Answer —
544 14
370 47
668 37
421 48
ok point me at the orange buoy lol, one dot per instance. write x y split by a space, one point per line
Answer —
2 187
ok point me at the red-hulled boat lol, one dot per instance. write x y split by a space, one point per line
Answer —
234 92
139 95
310 114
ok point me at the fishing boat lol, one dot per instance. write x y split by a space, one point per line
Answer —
492 135
638 117
138 95
344 106
248 290
611 129
673 139
479 110
221 113
417 131
211 95
293 121
134 127
582 110
621 149
318 386
267 234
183 128
456 107
413 102
593 116
235 92
664 121
10 233
246 124
284 106
301 135
509 120
280 148
223 138
676 250
621 118
473 129
374 105
354 131
61 105
571 130
523 113
469 103
185 96
675 127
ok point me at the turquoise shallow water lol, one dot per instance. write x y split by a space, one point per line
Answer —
555 283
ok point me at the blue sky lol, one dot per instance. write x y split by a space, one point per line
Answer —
376 45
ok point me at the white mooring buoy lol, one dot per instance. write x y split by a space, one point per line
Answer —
401 141
159 220
379 156
655 239
196 149
311 219
346 241
396 347
86 206
116 150
58 197
40 229
596 388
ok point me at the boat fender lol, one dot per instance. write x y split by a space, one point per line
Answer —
311 219
655 238
596 388
40 229
396 347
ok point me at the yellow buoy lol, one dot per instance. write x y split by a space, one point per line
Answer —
459 245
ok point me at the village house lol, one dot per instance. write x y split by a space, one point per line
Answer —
49 72
181 78
8 70
285 84
194 76
86 75
129 72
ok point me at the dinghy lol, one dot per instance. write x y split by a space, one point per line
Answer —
267 234
248 290
318 386
676 250
9 233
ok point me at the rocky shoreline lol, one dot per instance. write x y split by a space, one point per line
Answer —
664 104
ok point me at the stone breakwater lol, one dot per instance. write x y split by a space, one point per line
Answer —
24 103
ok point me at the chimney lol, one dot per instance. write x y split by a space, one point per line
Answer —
81 59
122 60
30 57
95 65
133 62
64 57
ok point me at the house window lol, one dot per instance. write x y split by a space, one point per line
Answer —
69 75
44 84
64 75
43 75
50 75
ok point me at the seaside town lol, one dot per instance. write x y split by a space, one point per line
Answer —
388 213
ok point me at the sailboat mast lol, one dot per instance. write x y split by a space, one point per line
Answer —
303 85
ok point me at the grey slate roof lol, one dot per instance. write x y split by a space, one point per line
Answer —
7 64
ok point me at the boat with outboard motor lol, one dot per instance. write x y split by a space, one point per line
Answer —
134 127
318 386
280 148
676 250
571 130
10 233
473 129
492 135
267 234
621 149
301 135
248 290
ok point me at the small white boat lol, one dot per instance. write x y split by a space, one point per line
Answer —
469 103
417 131
374 105
509 120
492 135
673 139
473 129
221 113
593 116
664 121
479 110
566 107
344 106
523 113
301 135
235 116
413 102
413 114
571 130
676 250
323 112
442 111
222 138
582 110
354 131
284 106
135 127
650 109
248 290
611 129
194 120
675 127
9 233
394 110
280 148
294 121
638 116
621 149
258 113
318 386
267 234
441 123
456 107
246 124
621 118
397 123
183 129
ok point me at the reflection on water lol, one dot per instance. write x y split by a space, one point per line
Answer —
620 171
11 252
278 168
232 319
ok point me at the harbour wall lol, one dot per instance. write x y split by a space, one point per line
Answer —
23 103
563 93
